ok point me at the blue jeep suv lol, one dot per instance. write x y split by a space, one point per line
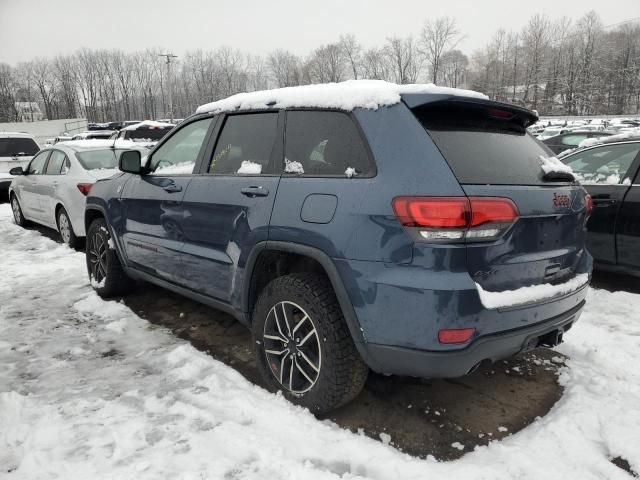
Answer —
416 237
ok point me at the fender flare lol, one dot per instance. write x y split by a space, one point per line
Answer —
332 273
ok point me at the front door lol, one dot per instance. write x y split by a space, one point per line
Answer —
152 202
29 193
603 170
226 211
628 225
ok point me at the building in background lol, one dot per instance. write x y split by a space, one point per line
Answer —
29 112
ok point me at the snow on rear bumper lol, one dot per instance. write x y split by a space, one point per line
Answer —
526 296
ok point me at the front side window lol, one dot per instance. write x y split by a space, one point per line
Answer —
56 161
324 144
245 145
178 155
605 164
36 167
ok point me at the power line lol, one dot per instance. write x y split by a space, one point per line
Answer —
169 60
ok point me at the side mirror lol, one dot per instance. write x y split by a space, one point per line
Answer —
16 171
130 162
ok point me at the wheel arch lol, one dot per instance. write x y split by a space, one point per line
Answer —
304 253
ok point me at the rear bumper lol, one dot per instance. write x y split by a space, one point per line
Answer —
456 363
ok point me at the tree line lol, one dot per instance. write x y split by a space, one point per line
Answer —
563 66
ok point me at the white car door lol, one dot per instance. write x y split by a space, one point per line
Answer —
29 193
49 183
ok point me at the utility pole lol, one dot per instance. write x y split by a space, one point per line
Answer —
168 60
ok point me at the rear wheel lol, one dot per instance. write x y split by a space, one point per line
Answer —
18 217
106 274
303 345
66 229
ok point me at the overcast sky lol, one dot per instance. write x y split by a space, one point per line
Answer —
33 28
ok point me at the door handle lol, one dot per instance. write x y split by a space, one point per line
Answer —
255 191
172 188
603 202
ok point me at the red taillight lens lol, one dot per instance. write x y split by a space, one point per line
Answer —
432 212
588 204
85 188
458 335
456 218
485 210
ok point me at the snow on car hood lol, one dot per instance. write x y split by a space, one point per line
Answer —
347 95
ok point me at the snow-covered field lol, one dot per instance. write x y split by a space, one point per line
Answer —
89 390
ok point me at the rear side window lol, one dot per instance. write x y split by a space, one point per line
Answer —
325 144
56 161
483 147
15 147
245 145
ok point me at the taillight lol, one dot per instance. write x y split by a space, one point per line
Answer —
588 204
458 335
455 218
85 188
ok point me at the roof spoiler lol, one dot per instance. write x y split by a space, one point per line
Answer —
525 116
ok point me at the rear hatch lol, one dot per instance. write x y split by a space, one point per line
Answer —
16 152
491 154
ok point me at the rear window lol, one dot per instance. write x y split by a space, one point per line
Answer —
11 147
151 134
97 159
481 147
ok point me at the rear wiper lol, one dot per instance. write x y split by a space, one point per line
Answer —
559 177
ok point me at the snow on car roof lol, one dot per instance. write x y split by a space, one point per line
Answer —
15 134
149 124
98 144
347 95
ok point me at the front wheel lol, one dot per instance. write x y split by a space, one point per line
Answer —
303 345
18 216
106 274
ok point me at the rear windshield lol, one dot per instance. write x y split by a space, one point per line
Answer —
11 147
98 159
483 148
150 134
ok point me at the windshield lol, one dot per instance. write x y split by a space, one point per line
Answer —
98 159
11 147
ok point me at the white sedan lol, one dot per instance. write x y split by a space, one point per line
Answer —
52 190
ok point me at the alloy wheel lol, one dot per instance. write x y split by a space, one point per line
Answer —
292 347
17 213
65 227
98 257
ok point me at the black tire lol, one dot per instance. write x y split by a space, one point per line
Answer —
106 274
339 372
18 216
66 229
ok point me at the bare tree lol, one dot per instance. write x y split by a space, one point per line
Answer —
404 59
438 36
353 52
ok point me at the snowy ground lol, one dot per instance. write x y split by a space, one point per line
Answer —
90 390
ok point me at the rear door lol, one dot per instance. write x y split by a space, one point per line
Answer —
152 203
604 171
492 155
226 211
